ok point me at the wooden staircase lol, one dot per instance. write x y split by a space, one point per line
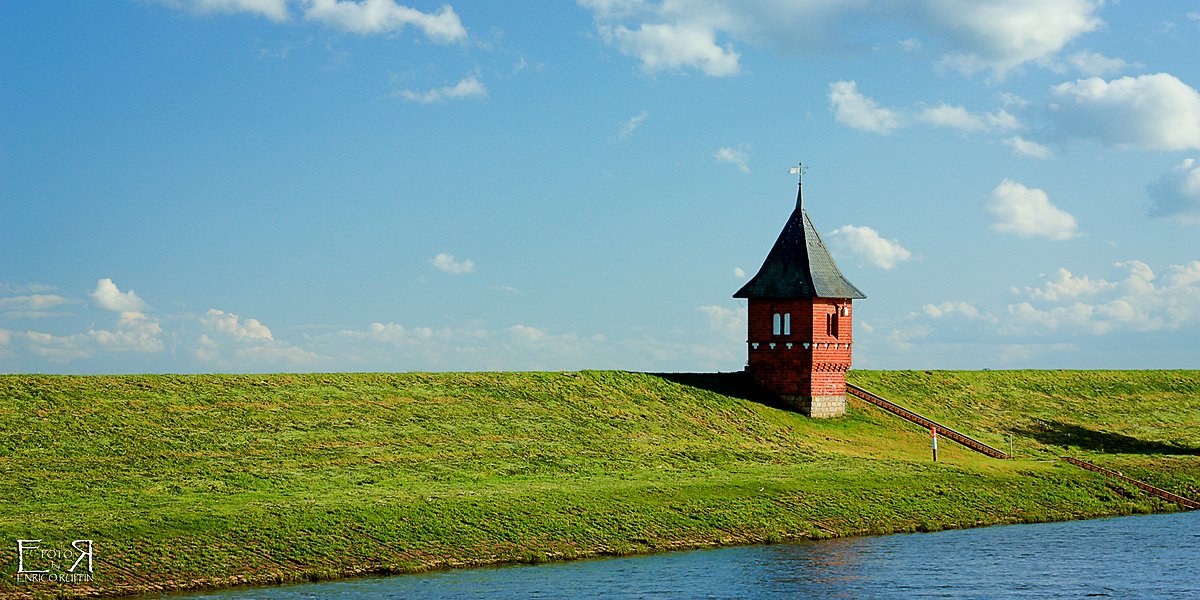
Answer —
927 423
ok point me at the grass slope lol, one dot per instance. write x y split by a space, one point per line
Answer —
215 480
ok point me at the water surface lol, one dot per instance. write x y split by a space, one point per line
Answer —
1154 556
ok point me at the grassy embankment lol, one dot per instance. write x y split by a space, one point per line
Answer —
196 481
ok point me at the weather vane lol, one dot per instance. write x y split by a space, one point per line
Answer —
799 171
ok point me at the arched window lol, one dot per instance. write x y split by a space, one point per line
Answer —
787 323
775 324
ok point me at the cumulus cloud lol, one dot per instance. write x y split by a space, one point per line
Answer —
378 16
1001 35
470 347
1136 303
363 17
628 127
107 296
34 306
858 111
34 288
35 302
1010 99
1027 213
949 308
853 109
1148 112
1094 63
276 10
735 157
250 329
134 333
227 341
665 46
1176 195
996 34
446 264
1024 147
1065 285
1063 309
865 243
731 322
468 87
958 117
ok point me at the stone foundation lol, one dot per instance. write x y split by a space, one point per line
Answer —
818 407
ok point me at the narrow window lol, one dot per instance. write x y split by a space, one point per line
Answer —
787 323
775 324
831 324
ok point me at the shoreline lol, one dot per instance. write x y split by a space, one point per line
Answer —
330 574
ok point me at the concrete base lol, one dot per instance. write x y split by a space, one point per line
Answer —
818 407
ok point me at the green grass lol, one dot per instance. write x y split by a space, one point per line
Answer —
212 480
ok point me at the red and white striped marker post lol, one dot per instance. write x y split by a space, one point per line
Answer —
933 430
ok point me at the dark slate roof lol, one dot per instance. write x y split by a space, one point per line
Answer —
799 266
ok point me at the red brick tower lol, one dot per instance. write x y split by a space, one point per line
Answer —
800 321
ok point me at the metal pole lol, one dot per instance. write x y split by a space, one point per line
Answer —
933 430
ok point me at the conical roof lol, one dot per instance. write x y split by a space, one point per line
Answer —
799 266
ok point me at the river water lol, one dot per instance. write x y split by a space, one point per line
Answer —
1153 556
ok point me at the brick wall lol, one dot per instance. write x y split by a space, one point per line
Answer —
813 358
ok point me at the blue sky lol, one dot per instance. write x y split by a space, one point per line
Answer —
315 185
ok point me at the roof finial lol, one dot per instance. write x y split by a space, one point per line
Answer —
798 171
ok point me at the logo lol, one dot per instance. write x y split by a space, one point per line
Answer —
37 563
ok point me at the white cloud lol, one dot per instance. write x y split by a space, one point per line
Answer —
1027 213
446 264
628 127
107 296
1149 112
865 243
468 87
1094 63
250 329
35 314
377 16
229 342
736 157
275 10
1133 304
990 34
34 306
663 46
1067 286
948 308
958 117
35 302
1003 34
29 288
1024 147
1176 195
858 111
135 333
1010 99
732 322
